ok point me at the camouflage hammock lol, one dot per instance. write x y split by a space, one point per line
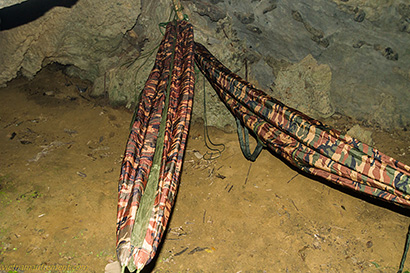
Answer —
306 143
153 157
154 153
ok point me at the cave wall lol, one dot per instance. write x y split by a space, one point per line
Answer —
7 3
88 36
319 56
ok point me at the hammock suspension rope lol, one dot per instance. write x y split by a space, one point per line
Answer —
217 152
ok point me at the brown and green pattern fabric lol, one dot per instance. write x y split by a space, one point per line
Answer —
154 153
166 101
307 143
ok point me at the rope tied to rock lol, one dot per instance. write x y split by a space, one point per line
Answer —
178 8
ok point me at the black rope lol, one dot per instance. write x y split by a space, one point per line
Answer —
406 249
217 151
243 135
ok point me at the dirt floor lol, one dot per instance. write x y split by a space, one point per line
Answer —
60 157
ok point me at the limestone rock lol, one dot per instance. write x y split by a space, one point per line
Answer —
7 3
305 86
87 35
364 43
361 134
385 110
123 80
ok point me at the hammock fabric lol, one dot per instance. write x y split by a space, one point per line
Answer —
154 153
307 143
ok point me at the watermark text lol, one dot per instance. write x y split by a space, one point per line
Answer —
43 267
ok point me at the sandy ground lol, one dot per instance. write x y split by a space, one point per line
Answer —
60 156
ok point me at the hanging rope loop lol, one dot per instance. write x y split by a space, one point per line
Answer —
243 135
218 148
